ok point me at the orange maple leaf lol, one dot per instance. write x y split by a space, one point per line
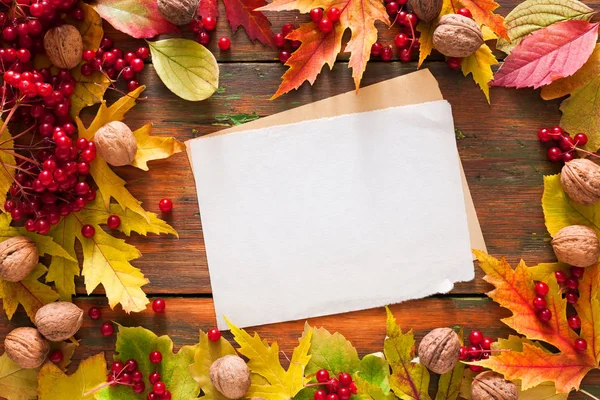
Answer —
514 290
318 49
482 11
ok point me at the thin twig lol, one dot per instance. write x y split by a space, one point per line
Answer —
591 396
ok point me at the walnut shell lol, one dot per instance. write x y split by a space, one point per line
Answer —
457 36
116 144
18 257
576 245
64 46
26 347
426 10
491 385
59 321
230 376
439 350
178 12
580 179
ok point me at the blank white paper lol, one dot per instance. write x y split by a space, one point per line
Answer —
332 215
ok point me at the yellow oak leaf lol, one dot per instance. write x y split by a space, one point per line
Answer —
565 86
7 159
17 383
30 293
263 360
54 384
153 147
62 271
90 26
480 65
426 29
208 352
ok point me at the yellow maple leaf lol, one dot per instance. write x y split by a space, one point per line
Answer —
426 29
30 293
62 271
7 159
17 383
263 360
54 384
208 352
480 65
153 147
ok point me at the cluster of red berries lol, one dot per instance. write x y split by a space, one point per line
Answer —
324 20
128 374
455 62
286 47
570 283
115 64
479 349
407 41
340 388
565 151
539 302
202 26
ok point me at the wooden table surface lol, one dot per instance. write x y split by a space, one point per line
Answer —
503 161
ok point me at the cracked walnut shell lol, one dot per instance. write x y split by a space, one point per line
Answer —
64 46
426 10
580 179
576 245
439 350
18 257
457 36
491 385
116 143
230 376
178 12
26 347
59 321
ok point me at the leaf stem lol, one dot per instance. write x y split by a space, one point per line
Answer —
591 396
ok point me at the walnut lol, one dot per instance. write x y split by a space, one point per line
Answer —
59 321
491 385
18 257
64 46
26 347
457 36
426 10
439 350
178 12
580 179
230 376
576 245
116 144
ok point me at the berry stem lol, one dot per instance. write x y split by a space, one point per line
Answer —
591 396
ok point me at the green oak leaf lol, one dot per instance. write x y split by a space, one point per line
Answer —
332 352
137 343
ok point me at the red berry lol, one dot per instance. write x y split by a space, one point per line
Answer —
325 25
487 343
159 305
166 395
152 396
142 53
392 8
224 44
333 14
284 55
474 352
137 65
574 322
332 396
539 303
88 231
463 355
132 85
566 143
107 329
94 313
376 49
411 20
580 139
554 154
571 297
322 376
544 135
476 337
320 395
139 387
580 345
386 53
344 393
286 29
577 272
406 55
117 367
106 43
557 131
572 283
541 288
316 14
465 12
125 378
345 379
561 277
159 388
214 335
544 315
154 377
454 62
353 388
209 23
155 357
401 40
279 40
131 365
165 205
56 356
113 221
476 368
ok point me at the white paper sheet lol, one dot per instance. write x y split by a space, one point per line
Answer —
332 215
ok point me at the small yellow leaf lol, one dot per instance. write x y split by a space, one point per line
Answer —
488 34
480 65
153 147
426 29
55 385
17 383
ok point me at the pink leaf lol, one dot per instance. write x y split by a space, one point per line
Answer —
241 12
208 8
548 54
138 18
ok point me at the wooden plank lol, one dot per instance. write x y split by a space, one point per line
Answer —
365 329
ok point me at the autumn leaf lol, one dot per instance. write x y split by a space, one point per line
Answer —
243 13
90 26
208 8
89 90
54 384
374 369
7 159
263 360
409 380
332 352
138 18
371 391
482 11
565 86
153 147
62 271
427 28
17 383
532 15
137 343
208 352
548 54
534 365
318 48
480 65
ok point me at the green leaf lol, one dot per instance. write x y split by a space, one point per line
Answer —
186 67
449 383
17 383
376 370
581 112
532 15
208 352
409 380
370 391
332 352
137 343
